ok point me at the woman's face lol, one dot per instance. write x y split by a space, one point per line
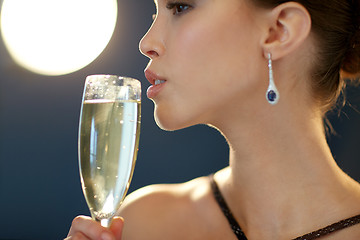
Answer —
207 55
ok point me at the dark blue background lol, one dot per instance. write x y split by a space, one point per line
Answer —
40 189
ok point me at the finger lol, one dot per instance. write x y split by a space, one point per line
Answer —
77 236
117 227
90 228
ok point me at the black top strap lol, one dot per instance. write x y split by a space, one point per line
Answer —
310 236
226 210
331 228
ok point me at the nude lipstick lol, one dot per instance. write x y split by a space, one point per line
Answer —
157 83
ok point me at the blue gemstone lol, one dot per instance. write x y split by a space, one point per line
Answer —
271 96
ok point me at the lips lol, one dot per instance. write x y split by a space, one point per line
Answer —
153 78
157 83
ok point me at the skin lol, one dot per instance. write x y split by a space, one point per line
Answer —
282 181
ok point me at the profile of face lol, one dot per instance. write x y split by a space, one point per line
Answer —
207 57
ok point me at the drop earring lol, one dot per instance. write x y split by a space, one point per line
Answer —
272 94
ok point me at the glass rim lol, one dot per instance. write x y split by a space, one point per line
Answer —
107 81
108 76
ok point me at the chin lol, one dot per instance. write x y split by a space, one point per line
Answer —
166 124
169 121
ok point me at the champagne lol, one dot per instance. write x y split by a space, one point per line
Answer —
108 143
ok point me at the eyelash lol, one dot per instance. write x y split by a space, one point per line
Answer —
178 8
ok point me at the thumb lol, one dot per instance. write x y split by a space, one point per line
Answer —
117 227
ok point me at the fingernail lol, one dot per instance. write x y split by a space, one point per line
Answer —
106 236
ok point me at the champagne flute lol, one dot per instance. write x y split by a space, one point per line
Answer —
109 131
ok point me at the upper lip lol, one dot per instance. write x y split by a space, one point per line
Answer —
151 77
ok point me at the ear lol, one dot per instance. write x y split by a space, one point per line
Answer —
288 25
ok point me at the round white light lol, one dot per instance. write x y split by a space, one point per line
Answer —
56 37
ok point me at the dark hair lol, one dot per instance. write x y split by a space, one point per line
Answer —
335 24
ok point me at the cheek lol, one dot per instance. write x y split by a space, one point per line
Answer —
211 55
211 66
196 43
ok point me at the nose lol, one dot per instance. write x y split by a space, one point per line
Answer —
152 44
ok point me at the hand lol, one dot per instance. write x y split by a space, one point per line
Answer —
85 228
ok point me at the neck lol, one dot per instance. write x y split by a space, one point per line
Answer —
280 173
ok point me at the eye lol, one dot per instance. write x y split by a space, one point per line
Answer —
177 7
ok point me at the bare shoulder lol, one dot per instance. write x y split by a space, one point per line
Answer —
170 211
156 200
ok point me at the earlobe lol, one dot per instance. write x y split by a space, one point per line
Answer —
289 24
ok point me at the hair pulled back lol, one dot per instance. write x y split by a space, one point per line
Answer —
335 24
